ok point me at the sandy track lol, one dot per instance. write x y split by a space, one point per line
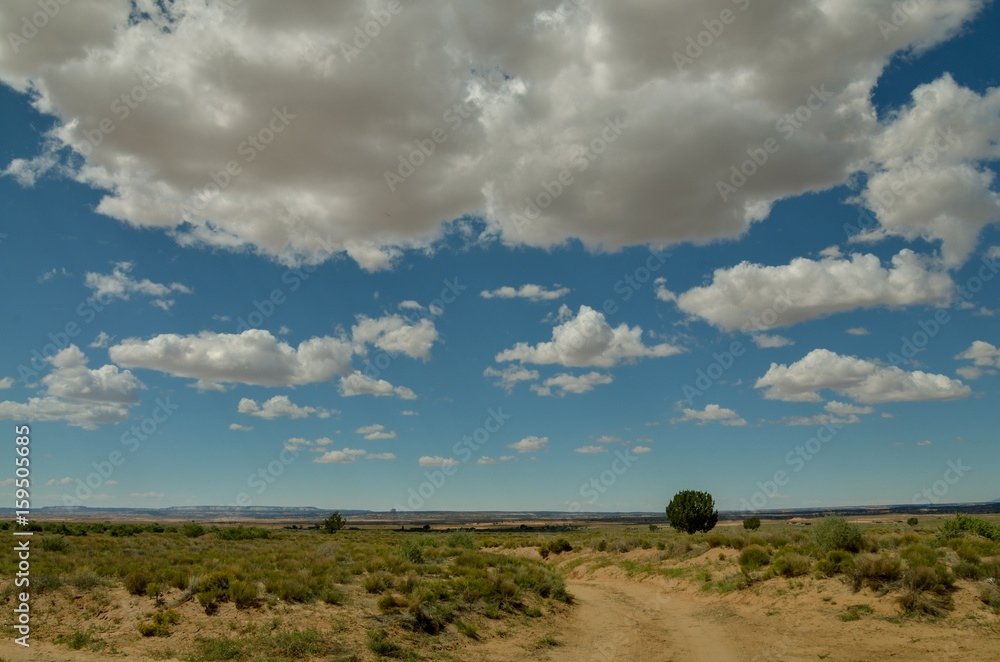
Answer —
624 620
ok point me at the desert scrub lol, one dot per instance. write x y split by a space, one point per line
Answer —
855 612
919 555
791 565
833 533
927 591
876 571
753 558
54 544
242 533
160 625
835 562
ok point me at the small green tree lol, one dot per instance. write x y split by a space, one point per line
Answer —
913 521
691 511
751 523
333 523
834 532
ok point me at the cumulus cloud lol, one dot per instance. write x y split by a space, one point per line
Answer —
768 341
608 439
358 383
6 382
530 444
74 393
534 87
985 359
241 428
529 291
484 460
757 297
861 380
119 285
846 409
590 449
252 357
375 432
395 335
344 456
59 481
858 331
927 179
565 383
278 406
437 461
711 413
587 340
510 376
641 449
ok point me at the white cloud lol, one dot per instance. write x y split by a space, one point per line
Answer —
119 285
844 408
6 382
858 331
927 178
410 305
484 460
358 383
756 297
111 482
508 458
241 428
375 432
102 340
591 449
710 413
766 341
407 412
437 461
60 482
588 341
380 456
641 449
345 456
278 406
252 357
284 330
858 379
78 395
320 186
818 419
985 358
52 273
511 375
393 334
567 383
608 439
926 442
530 444
531 292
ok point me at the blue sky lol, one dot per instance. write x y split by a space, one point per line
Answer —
526 232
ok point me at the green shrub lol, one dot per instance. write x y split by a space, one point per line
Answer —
602 545
243 594
913 521
691 511
751 523
962 524
411 551
192 530
161 622
833 533
54 544
715 540
966 570
791 565
468 629
378 644
855 612
753 558
836 561
737 542
919 555
137 581
377 582
874 571
242 533
462 539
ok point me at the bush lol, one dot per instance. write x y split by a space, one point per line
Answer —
962 524
378 644
54 544
833 533
751 523
410 550
919 555
855 612
837 561
377 582
715 540
691 511
966 570
242 533
334 522
462 539
160 627
192 530
243 594
791 565
874 571
737 542
913 521
137 581
753 558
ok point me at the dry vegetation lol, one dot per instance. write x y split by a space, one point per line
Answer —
255 594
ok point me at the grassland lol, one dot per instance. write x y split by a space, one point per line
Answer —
246 593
